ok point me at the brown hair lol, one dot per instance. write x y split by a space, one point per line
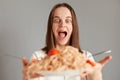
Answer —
74 40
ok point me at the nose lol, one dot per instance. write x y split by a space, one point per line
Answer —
62 23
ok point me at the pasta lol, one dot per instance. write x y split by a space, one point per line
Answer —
69 58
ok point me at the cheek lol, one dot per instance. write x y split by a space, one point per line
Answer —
54 29
70 29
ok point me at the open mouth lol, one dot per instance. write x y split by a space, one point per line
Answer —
62 34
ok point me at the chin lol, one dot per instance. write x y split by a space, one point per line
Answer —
63 44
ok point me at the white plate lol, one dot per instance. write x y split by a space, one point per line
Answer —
61 73
68 74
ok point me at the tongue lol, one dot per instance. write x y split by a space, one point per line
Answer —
62 35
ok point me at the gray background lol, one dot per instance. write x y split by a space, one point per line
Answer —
23 29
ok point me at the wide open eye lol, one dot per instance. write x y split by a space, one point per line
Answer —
56 20
68 21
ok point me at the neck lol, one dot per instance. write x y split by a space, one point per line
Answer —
59 47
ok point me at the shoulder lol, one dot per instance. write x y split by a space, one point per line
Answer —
88 55
39 54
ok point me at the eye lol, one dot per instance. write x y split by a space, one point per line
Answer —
56 20
68 21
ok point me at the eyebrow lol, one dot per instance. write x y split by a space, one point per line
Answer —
69 17
56 17
59 17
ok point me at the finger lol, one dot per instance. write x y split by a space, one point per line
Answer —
105 60
24 61
84 74
34 60
35 75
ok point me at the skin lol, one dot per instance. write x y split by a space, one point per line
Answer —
62 22
96 73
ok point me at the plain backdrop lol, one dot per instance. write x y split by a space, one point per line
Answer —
23 29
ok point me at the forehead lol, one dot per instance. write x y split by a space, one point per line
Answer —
62 12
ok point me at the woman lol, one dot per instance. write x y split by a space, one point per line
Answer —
62 30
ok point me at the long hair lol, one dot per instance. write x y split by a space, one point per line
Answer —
74 39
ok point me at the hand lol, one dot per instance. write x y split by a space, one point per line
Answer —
25 71
95 73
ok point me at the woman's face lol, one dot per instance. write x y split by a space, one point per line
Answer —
62 26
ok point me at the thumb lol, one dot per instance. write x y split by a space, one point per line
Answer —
24 61
105 60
